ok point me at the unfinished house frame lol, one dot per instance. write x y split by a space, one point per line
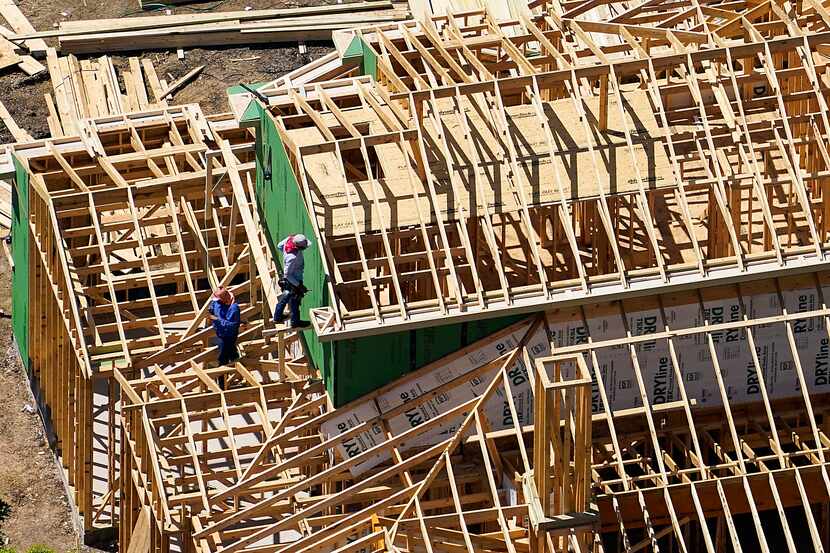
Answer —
631 202
117 248
501 167
637 450
249 466
478 171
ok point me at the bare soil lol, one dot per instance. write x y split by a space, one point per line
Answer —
224 67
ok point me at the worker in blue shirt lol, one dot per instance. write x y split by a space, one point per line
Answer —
224 312
291 282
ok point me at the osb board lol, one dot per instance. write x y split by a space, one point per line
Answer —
481 178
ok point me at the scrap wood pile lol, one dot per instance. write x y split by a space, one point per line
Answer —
219 28
91 88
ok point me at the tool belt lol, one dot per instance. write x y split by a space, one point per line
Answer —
291 288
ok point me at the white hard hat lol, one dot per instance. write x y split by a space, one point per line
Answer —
300 240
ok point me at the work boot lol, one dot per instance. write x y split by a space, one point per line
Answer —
301 324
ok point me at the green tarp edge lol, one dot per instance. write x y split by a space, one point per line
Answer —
20 255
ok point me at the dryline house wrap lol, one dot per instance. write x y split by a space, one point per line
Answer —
699 339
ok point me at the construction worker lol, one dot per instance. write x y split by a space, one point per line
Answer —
224 312
291 282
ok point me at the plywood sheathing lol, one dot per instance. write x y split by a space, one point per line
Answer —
572 158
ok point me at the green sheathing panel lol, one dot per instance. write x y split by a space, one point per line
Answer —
476 330
436 342
283 212
365 364
252 114
20 254
250 117
368 60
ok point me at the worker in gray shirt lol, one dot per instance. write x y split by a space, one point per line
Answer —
291 282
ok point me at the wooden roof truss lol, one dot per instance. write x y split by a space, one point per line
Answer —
230 478
502 166
144 240
682 471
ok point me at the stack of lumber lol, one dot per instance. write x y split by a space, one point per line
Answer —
501 10
219 28
14 54
91 88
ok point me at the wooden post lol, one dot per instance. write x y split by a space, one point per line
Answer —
561 450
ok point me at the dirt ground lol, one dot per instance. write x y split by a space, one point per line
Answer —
225 67
29 480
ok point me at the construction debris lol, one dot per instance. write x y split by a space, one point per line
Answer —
179 83
19 134
91 88
9 55
18 22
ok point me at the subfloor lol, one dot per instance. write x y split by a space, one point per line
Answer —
23 95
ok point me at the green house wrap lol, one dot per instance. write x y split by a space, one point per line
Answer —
282 212
20 255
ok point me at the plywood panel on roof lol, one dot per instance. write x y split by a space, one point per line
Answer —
479 175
